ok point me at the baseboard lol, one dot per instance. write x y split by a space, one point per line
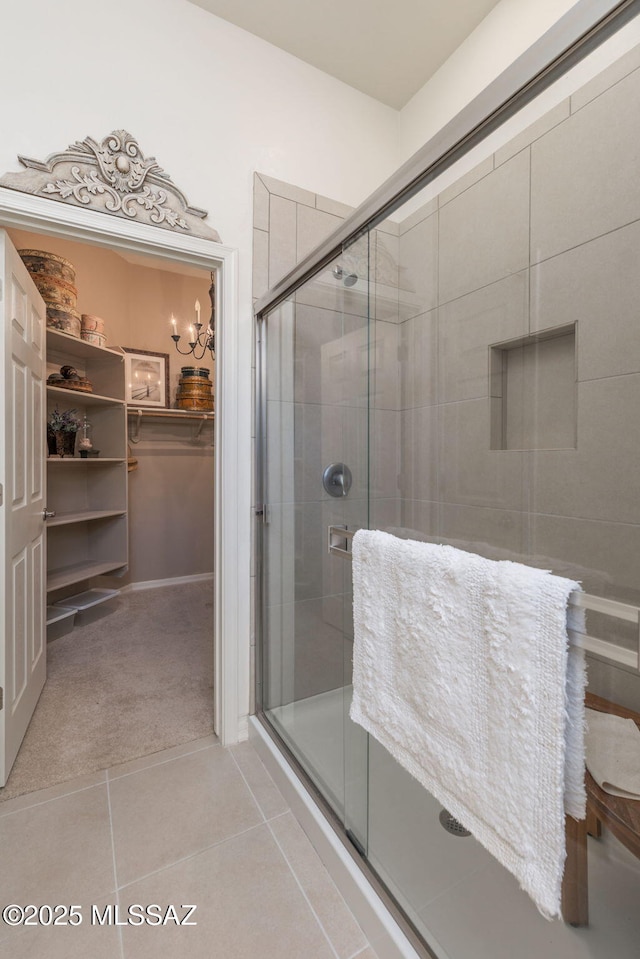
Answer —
379 926
243 728
173 581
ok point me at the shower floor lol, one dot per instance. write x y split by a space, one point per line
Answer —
463 902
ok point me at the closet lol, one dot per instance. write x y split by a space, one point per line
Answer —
115 553
113 528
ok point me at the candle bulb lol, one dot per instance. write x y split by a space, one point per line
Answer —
197 311
191 336
173 323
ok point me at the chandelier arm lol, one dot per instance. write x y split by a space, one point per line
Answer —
183 352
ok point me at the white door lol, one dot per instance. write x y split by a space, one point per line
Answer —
23 663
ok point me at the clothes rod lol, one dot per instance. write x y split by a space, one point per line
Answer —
339 539
175 414
200 416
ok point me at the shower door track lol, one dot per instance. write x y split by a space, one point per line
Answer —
352 847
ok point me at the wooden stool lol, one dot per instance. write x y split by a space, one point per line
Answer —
621 816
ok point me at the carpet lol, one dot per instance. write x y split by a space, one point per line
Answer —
134 681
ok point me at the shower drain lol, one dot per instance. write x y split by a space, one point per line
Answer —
452 825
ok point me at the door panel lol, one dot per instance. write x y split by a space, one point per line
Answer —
22 528
315 402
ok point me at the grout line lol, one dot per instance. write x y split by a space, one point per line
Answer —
192 855
43 802
115 868
593 239
160 762
255 798
610 376
251 792
280 815
302 890
360 951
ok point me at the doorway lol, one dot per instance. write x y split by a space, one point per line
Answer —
56 220
128 674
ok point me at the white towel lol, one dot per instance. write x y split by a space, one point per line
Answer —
461 670
613 753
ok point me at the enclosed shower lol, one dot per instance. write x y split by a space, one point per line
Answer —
465 369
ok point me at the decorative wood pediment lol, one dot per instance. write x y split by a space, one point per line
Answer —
114 177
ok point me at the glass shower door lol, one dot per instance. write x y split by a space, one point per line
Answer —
315 427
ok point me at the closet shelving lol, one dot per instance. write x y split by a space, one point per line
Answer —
88 535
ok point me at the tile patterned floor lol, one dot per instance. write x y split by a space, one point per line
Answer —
196 824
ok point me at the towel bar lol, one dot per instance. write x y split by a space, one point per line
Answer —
339 539
340 535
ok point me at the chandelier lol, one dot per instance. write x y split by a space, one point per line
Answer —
200 341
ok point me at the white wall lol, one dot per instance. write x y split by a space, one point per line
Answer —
505 33
210 101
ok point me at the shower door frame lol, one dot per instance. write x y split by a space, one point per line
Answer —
580 31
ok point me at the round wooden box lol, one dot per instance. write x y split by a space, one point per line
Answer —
195 390
92 324
56 292
93 330
39 261
67 321
200 404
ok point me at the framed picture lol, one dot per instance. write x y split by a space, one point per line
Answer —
146 378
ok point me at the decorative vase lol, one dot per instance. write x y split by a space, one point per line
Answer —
61 443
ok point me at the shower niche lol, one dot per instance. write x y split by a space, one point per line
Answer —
533 391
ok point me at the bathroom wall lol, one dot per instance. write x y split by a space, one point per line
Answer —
171 491
543 236
325 341
505 34
305 605
487 429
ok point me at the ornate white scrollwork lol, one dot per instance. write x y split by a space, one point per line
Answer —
115 177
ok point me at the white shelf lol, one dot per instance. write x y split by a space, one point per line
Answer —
83 516
88 599
59 342
88 536
82 399
85 460
68 575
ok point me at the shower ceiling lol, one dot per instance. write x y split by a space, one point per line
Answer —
388 50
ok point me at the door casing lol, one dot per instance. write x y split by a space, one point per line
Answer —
232 431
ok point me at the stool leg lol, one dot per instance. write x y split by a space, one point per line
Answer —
575 901
594 826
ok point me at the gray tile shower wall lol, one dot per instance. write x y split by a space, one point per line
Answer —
533 456
318 414
543 235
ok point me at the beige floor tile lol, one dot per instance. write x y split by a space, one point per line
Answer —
58 852
265 792
175 809
66 941
344 932
249 907
52 792
154 759
367 953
